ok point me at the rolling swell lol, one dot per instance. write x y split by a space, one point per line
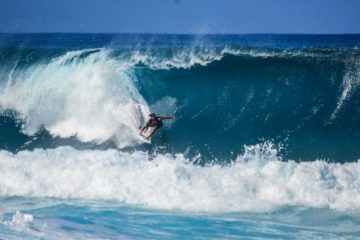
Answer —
305 100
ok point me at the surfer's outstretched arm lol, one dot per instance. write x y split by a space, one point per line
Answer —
164 118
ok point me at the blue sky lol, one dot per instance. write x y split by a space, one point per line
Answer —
181 16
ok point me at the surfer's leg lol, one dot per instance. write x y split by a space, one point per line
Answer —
152 133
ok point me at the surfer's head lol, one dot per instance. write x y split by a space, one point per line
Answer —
152 115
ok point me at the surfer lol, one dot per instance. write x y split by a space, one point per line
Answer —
156 122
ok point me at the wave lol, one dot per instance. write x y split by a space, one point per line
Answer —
81 93
240 96
186 58
256 181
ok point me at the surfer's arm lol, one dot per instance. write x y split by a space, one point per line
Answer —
143 128
164 118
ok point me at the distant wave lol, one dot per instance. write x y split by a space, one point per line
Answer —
185 58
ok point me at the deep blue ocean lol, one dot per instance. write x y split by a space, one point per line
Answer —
266 144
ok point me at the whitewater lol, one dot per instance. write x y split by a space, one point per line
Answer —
266 144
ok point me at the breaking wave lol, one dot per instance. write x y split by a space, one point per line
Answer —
256 181
104 95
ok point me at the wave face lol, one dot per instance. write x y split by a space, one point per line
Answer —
93 91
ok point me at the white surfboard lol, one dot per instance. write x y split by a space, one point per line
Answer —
147 132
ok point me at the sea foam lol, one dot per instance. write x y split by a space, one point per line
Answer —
84 93
256 181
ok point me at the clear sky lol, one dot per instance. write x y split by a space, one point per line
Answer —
181 16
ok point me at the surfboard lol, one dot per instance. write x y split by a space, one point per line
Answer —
147 132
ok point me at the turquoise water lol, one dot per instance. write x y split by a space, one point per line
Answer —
265 146
107 220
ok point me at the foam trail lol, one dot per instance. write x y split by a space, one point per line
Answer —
84 93
351 81
20 220
257 181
